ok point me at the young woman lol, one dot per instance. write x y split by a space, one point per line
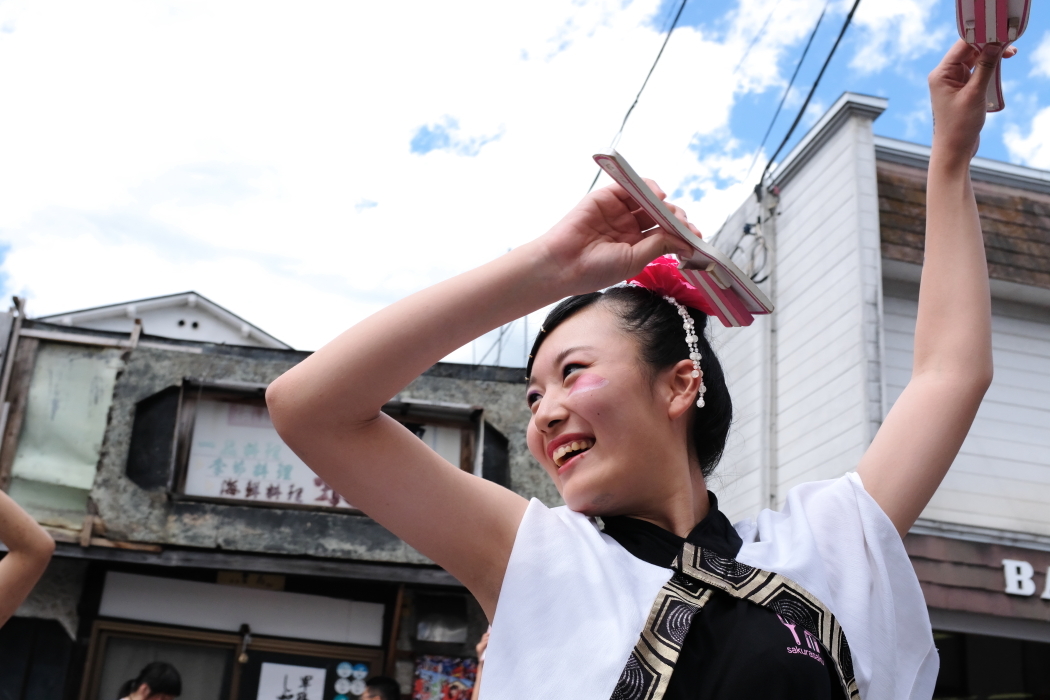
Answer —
817 601
157 680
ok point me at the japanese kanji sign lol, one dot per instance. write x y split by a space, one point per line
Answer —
236 453
286 682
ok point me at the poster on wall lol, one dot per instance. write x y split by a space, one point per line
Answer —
444 678
286 682
236 453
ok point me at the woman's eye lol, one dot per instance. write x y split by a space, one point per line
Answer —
570 368
532 398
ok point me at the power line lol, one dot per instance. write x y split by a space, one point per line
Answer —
813 89
754 39
788 90
645 82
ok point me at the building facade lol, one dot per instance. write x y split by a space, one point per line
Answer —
187 532
838 240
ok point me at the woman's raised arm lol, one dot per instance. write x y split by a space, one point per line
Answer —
328 408
29 549
953 340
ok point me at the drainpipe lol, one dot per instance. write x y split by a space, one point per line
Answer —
768 217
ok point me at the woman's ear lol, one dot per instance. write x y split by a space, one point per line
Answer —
682 388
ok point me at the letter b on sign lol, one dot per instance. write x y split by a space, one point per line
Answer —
1018 577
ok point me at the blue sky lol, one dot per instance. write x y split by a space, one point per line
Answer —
305 165
903 82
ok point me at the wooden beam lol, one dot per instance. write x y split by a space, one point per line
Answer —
17 396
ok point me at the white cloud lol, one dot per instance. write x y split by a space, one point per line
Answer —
1032 149
1040 58
894 31
261 153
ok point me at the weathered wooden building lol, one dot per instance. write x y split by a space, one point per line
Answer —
839 240
188 532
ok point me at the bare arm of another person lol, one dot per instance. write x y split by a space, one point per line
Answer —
328 408
481 646
953 339
29 549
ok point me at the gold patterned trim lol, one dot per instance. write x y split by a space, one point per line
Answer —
697 572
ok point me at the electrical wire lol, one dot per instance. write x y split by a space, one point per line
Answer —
754 39
791 82
645 82
813 89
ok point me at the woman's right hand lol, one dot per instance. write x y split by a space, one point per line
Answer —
607 238
328 408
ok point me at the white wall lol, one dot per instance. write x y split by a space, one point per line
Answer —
827 345
164 322
1001 478
226 608
827 292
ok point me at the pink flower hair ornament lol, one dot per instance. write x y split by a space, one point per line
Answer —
662 277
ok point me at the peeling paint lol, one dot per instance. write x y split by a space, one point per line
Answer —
149 516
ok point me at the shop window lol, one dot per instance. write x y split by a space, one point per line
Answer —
216 442
980 667
220 666
204 669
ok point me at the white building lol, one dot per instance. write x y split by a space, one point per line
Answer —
843 233
185 316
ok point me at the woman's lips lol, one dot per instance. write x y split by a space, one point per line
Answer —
571 462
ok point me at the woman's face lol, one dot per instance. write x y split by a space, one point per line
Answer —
600 427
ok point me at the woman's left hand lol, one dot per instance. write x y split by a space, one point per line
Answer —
958 89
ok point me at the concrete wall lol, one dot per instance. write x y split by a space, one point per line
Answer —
132 513
56 595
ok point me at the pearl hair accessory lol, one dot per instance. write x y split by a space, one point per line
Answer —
691 339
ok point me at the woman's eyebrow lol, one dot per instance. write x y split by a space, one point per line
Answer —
567 351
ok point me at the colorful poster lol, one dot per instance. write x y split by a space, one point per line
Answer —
444 678
285 682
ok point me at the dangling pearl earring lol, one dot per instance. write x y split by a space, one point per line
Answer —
691 339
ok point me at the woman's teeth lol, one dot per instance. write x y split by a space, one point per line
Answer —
564 452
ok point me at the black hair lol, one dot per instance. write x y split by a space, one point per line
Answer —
161 677
385 687
656 326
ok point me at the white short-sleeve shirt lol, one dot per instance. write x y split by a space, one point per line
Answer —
574 602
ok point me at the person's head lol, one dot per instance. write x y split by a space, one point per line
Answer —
381 688
612 370
156 681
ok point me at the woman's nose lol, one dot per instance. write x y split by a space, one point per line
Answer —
550 412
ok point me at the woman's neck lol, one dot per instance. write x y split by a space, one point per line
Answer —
682 509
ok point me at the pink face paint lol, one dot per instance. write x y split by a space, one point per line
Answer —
587 382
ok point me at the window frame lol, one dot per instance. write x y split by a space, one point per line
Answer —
103 630
407 411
